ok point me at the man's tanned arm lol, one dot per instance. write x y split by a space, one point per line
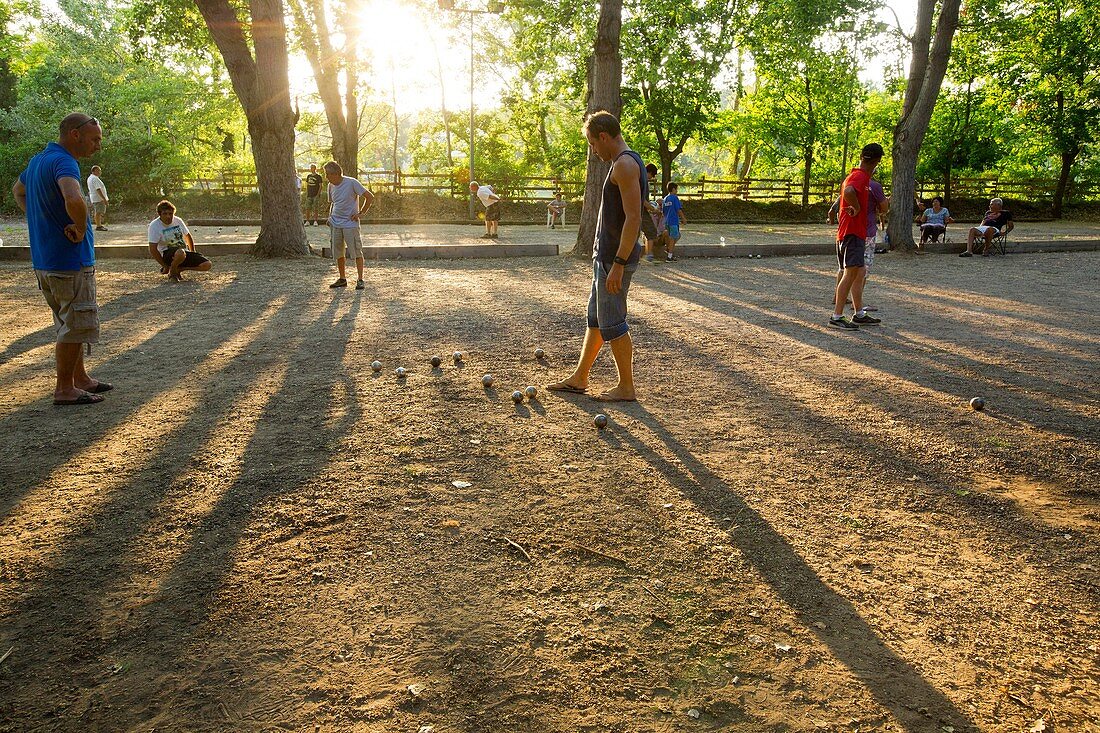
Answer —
19 191
75 208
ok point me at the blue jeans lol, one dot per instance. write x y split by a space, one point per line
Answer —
607 311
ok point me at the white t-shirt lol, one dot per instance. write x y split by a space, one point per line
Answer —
168 235
97 192
488 198
345 203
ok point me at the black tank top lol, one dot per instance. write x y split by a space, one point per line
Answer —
609 225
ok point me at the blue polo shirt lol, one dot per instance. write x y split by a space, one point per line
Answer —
46 215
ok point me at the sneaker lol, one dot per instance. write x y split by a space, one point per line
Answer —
360 285
866 320
870 309
649 258
843 323
340 283
495 236
101 229
670 258
965 254
486 236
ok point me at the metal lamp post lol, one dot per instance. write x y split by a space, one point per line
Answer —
494 7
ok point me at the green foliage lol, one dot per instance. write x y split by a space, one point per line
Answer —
162 122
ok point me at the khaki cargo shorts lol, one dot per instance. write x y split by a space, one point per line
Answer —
71 295
351 238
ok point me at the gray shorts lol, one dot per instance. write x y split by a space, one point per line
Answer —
350 238
99 207
607 311
72 298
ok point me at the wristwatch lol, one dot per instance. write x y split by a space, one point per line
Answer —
619 260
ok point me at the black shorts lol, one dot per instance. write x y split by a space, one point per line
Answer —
850 252
493 212
193 259
649 229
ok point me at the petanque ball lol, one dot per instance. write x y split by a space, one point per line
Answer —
400 371
376 366
531 392
457 356
487 380
437 360
600 421
978 404
517 397
539 353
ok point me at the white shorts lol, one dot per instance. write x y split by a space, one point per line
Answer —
983 229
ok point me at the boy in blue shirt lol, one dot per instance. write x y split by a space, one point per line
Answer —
674 217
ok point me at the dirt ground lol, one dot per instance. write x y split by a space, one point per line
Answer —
795 529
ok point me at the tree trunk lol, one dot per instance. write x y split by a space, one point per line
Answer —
262 85
1068 159
926 71
807 169
326 62
605 74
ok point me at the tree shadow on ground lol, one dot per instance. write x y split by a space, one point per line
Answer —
894 683
92 567
902 363
67 437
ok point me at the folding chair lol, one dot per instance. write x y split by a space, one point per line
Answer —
999 245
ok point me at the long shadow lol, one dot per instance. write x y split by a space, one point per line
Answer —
95 559
893 681
109 311
944 325
912 348
65 436
902 363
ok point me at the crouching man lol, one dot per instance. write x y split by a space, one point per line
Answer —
171 244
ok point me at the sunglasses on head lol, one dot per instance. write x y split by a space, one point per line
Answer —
89 121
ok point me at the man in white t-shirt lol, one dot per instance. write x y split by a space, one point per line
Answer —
171 244
343 220
491 202
97 197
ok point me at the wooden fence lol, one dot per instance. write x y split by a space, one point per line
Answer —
535 188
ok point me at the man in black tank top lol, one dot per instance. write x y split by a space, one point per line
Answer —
615 256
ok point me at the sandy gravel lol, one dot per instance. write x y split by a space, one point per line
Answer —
795 529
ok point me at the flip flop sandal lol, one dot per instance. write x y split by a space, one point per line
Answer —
84 399
568 388
101 387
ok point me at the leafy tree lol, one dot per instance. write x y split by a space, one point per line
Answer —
798 108
930 54
1051 62
673 52
328 63
164 122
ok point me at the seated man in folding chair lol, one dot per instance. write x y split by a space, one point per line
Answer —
997 222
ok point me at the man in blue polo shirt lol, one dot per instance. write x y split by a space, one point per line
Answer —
63 252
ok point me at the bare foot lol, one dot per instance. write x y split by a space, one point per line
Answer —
618 393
